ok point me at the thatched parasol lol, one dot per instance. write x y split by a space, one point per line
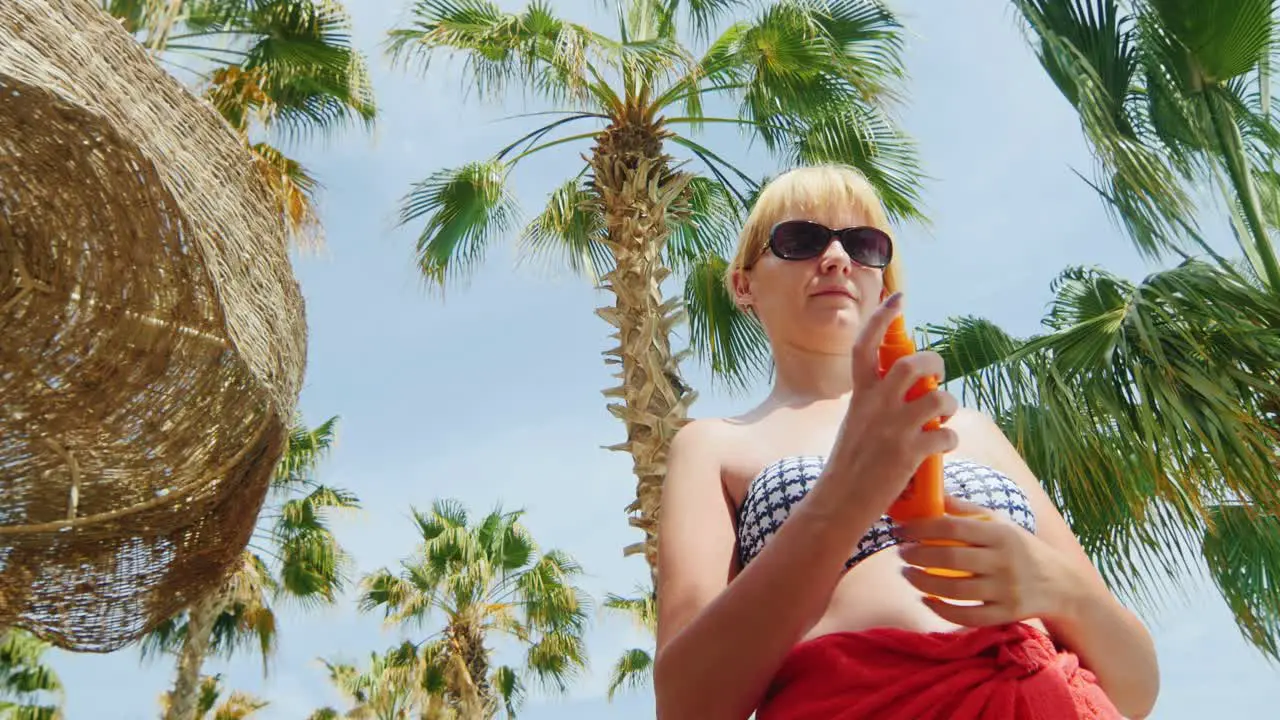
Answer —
152 337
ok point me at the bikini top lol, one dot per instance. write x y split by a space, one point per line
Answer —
781 486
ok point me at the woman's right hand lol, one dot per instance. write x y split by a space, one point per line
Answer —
882 439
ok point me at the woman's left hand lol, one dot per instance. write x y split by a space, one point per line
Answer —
1014 574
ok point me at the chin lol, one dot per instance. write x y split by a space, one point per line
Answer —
837 323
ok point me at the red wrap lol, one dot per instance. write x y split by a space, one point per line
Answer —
1006 672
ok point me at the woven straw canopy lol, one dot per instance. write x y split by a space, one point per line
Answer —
151 333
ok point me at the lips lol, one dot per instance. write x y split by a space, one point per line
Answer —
834 291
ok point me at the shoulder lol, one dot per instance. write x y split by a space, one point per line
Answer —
701 440
983 440
974 425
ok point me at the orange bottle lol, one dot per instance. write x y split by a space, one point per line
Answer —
923 496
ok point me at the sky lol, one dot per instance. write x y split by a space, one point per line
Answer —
491 395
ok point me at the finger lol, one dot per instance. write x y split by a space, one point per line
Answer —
975 560
940 441
968 588
970 615
905 373
866 358
934 405
967 530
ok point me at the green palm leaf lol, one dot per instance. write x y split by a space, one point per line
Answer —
724 337
1142 409
1091 55
633 670
466 209
534 48
862 136
1242 547
506 680
29 688
570 230
1224 38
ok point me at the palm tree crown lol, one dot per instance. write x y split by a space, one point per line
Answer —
483 581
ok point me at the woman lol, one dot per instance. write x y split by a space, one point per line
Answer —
785 590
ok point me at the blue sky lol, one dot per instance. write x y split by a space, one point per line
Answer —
492 395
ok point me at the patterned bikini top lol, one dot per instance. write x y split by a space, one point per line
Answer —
780 486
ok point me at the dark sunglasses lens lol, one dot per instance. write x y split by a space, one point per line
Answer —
867 246
799 240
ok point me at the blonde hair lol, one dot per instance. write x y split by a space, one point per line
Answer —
800 190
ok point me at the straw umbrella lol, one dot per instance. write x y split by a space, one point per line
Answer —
152 338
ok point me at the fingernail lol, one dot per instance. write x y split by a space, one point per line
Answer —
894 300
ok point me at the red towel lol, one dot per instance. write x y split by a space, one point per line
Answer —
1006 672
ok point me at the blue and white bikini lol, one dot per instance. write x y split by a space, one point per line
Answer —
782 485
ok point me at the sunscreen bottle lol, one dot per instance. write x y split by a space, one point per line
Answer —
924 495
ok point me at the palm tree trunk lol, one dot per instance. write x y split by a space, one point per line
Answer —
1238 170
200 619
161 16
637 192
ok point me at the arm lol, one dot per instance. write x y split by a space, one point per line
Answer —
1109 639
731 634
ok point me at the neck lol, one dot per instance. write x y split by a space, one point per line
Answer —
805 376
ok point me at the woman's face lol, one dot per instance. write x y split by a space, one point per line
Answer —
816 304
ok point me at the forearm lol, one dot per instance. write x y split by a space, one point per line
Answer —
719 665
1114 645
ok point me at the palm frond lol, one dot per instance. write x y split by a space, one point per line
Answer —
1222 38
1140 409
969 345
466 209
633 670
862 136
506 680
535 50
556 659
1242 548
312 78
1093 56
25 676
724 337
293 189
641 608
304 450
548 598
658 18
708 224
571 230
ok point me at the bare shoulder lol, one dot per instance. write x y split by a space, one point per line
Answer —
982 439
700 435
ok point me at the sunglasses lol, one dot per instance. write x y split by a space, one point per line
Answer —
804 240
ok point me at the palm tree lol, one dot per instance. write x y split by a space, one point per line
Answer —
281 68
238 706
485 581
634 669
811 81
1151 409
394 687
293 556
29 689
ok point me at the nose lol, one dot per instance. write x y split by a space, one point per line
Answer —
835 260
